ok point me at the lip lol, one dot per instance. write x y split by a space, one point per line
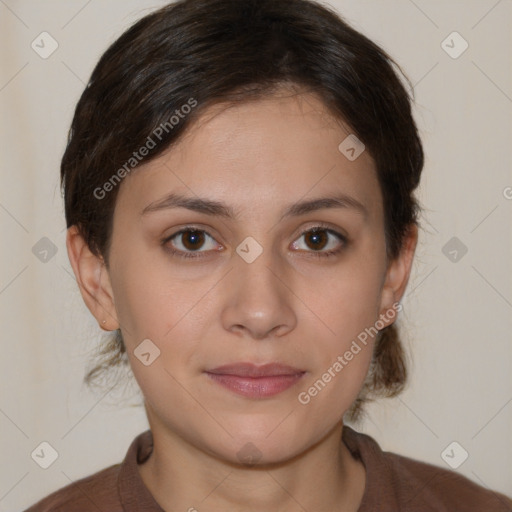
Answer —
256 381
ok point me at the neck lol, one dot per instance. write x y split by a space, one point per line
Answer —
324 477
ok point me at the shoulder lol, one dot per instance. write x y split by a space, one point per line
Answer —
94 492
408 484
432 487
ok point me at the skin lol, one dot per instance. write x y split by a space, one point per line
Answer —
288 306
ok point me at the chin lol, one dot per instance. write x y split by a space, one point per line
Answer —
265 441
256 452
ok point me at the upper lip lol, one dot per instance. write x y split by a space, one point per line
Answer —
253 370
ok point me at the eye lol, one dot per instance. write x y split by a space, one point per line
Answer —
319 238
192 240
187 242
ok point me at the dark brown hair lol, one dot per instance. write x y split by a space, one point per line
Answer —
214 51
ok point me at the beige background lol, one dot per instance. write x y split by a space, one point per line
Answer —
457 315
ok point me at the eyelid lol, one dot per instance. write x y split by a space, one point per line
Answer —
318 226
187 254
323 226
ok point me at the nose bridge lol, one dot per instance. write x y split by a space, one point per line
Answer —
256 270
259 301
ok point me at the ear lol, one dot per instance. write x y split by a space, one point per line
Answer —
93 280
397 275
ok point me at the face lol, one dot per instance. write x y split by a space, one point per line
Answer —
252 305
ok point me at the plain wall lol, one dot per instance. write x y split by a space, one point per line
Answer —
457 315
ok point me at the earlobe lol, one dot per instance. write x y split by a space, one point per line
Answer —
93 280
398 272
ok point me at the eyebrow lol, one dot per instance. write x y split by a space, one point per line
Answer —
220 209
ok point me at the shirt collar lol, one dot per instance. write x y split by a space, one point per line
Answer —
133 493
378 493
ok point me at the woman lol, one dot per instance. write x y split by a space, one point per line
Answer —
239 192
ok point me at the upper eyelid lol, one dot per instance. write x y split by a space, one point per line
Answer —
319 225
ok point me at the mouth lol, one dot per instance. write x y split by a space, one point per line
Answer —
255 381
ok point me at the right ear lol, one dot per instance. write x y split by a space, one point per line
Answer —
93 280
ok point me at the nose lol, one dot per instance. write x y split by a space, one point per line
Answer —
259 300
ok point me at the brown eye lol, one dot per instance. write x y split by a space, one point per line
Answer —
189 243
192 240
319 238
316 239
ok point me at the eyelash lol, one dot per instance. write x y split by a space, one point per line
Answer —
198 254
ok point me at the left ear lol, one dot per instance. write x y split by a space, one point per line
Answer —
397 274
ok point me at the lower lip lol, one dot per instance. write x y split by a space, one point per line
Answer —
256 387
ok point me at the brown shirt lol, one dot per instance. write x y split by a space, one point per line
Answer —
393 484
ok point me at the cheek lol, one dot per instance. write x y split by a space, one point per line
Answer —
154 304
342 357
150 299
347 301
349 308
139 304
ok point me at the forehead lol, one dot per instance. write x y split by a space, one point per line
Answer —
256 155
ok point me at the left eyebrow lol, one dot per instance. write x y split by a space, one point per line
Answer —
220 209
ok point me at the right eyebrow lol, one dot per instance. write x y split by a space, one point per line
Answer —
220 209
